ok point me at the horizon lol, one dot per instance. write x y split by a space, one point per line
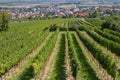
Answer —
60 1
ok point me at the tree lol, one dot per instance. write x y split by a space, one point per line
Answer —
111 24
95 14
4 20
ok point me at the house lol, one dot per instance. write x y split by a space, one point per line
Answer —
84 14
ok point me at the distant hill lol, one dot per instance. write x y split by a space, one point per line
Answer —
60 0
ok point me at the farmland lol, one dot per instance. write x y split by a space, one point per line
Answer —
59 49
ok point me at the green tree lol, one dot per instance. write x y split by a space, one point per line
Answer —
4 20
95 14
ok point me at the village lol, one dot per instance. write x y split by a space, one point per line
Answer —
59 10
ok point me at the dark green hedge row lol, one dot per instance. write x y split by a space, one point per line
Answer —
108 36
112 46
115 33
85 67
106 61
44 53
73 58
59 68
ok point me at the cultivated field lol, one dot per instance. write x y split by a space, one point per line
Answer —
59 49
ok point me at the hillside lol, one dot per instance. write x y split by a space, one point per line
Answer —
59 49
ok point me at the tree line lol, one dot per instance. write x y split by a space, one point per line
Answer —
112 22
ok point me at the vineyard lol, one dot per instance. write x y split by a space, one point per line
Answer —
59 49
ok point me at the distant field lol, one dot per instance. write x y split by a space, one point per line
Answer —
23 4
68 6
16 5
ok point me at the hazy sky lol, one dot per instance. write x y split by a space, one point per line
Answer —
55 0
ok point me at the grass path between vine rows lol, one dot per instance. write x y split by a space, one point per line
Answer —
48 67
67 63
16 69
105 50
113 55
101 73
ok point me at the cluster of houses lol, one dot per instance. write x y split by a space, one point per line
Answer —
20 15
57 11
76 12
